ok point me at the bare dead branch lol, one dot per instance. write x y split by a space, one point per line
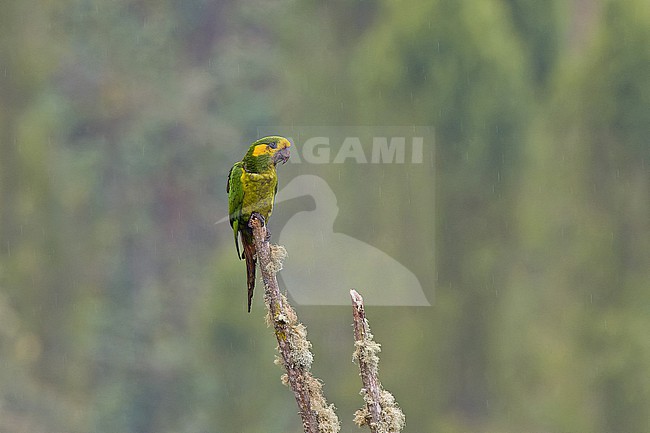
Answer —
293 346
381 413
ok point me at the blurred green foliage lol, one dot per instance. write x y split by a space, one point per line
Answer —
122 304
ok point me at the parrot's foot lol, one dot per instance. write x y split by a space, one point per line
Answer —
261 219
258 216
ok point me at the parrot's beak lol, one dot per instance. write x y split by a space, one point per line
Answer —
281 156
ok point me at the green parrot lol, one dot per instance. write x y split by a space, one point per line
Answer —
251 188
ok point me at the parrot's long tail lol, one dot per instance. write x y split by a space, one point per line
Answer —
249 255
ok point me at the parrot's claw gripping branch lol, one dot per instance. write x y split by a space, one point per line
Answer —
258 216
295 355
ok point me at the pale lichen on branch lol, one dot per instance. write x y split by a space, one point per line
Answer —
381 413
295 355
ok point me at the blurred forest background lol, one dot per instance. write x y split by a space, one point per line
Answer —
122 305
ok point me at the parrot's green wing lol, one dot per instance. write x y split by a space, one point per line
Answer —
235 191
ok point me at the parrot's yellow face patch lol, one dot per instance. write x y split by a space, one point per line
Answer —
262 149
265 149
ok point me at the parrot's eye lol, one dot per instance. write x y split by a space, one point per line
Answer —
273 145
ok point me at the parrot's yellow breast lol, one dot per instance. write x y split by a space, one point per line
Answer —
259 193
